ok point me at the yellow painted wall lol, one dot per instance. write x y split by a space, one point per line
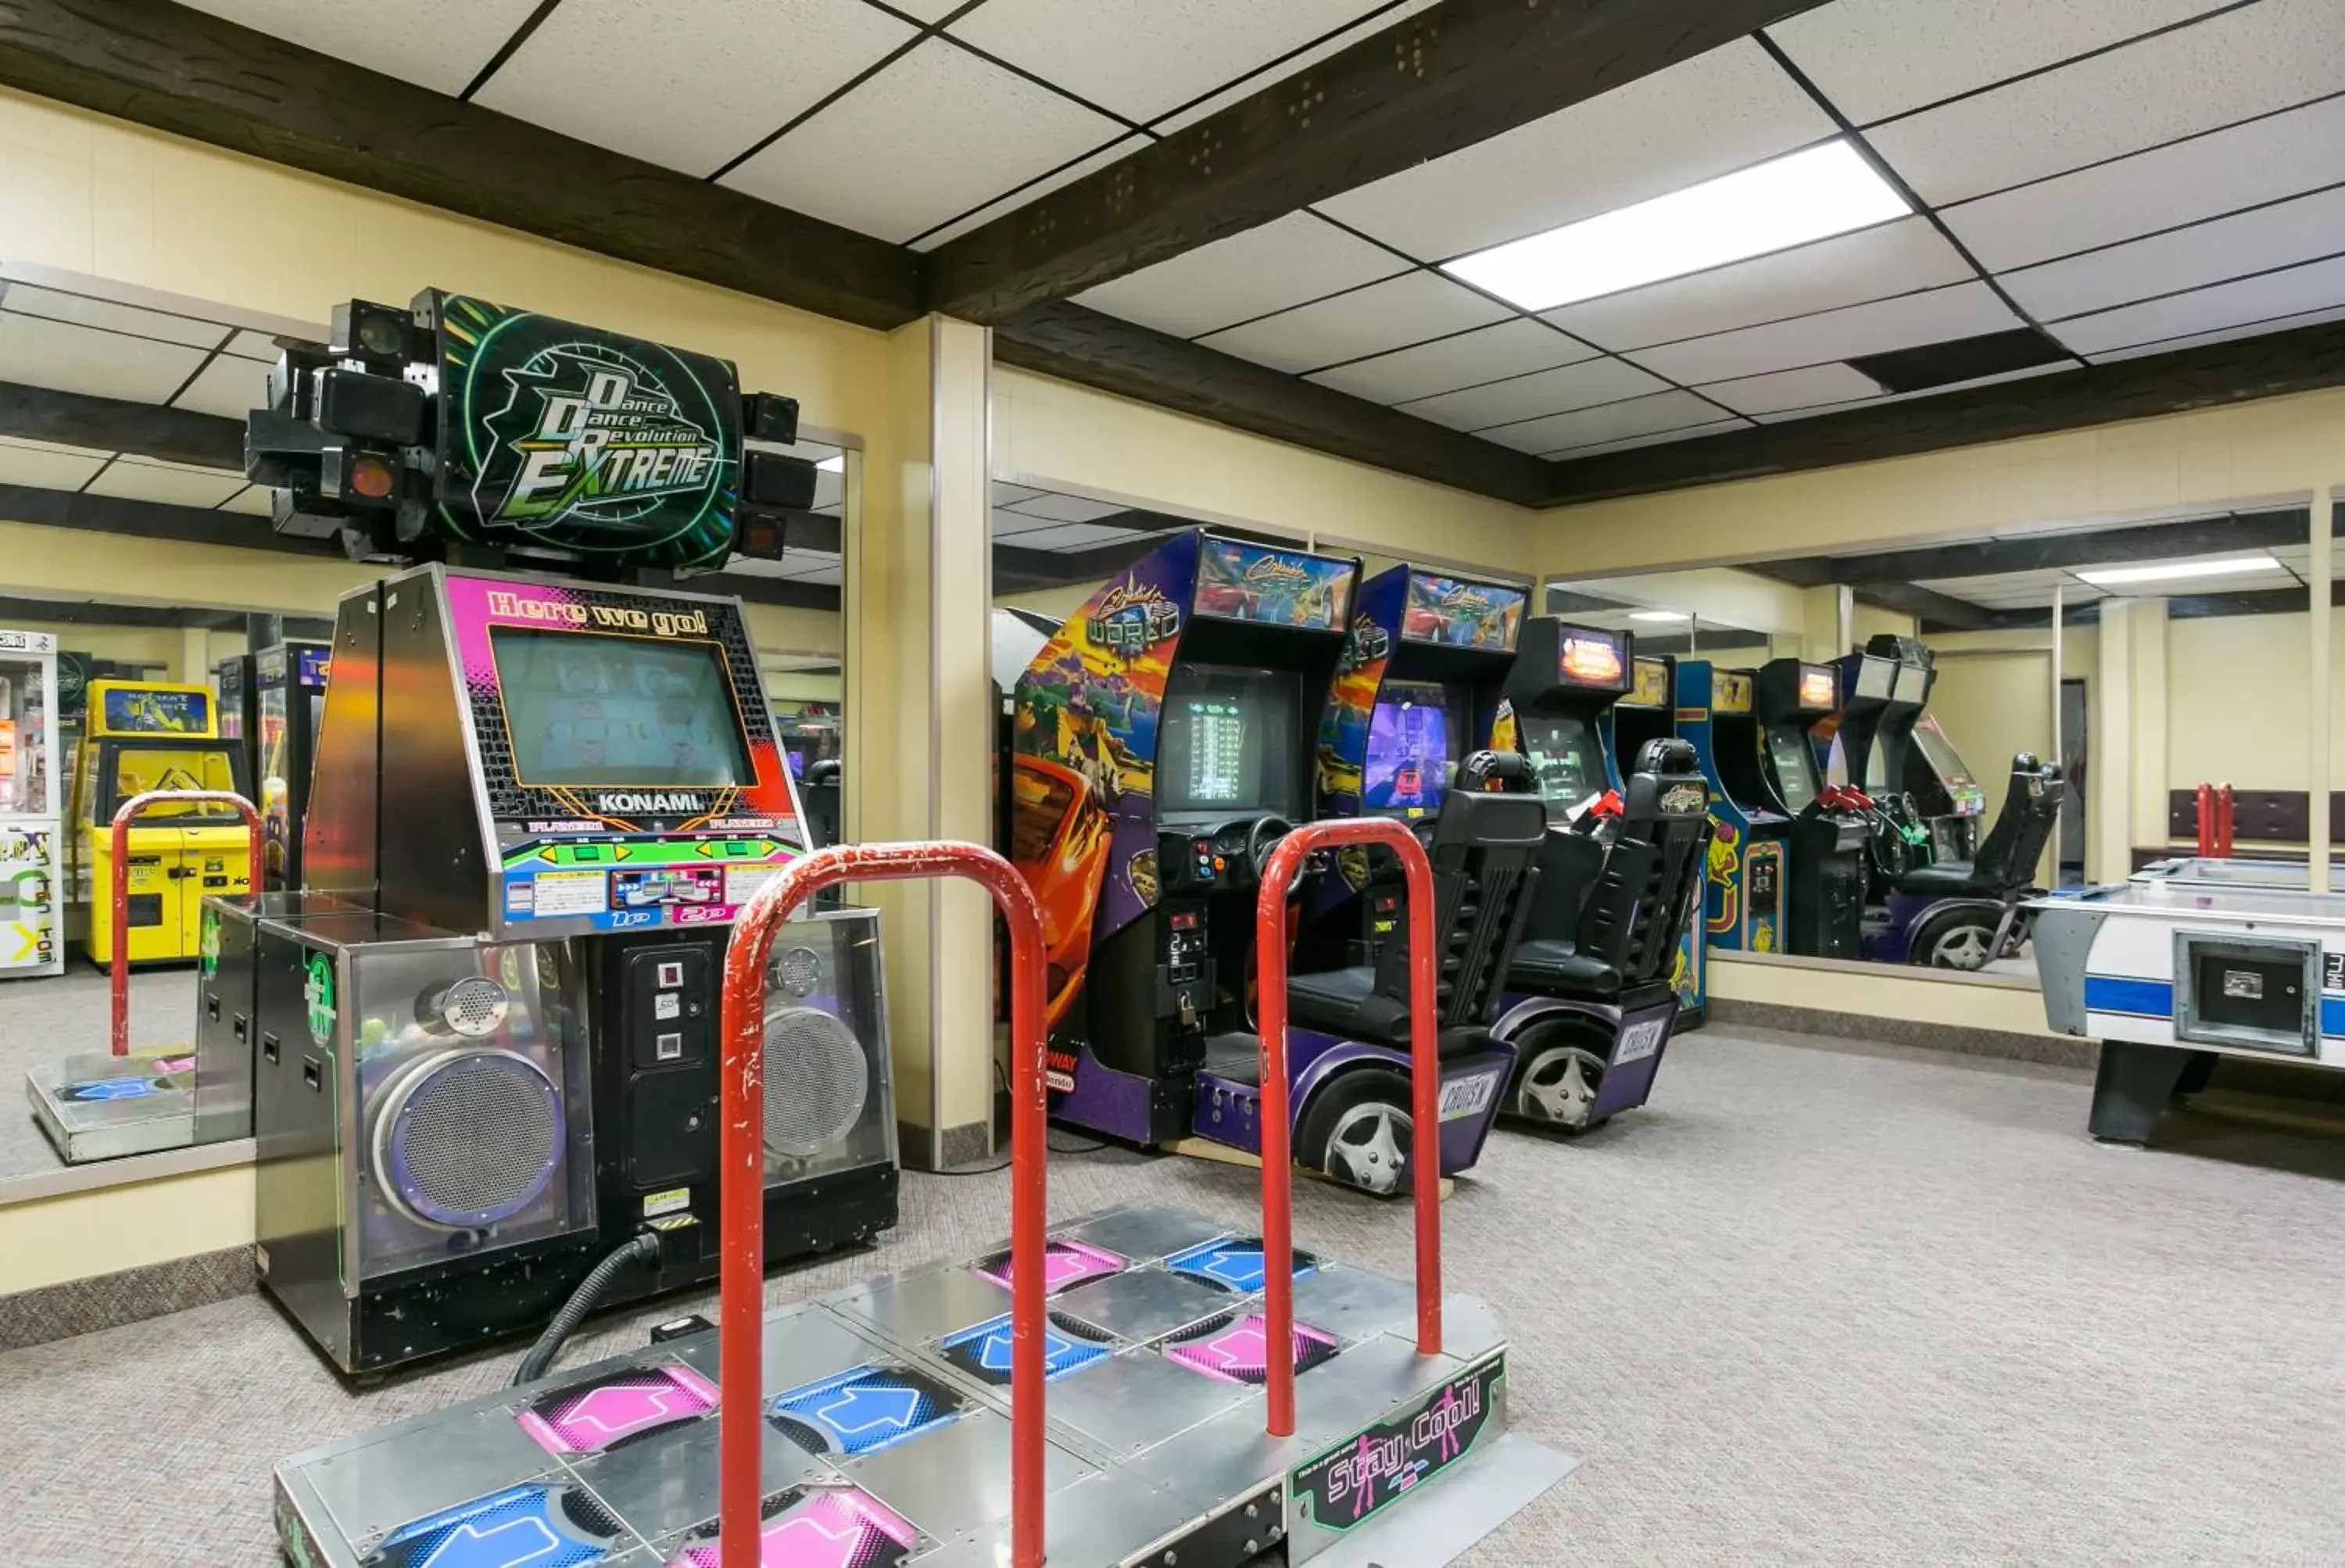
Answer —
127 645
1881 990
52 1240
2237 687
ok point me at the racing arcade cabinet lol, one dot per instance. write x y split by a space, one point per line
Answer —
1744 908
1163 745
496 1077
1828 829
1648 711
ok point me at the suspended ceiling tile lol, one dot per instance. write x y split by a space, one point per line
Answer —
42 466
440 44
2203 177
1010 525
1658 438
1297 259
1891 259
231 387
2305 230
1142 59
1387 315
1382 17
1068 508
252 501
2270 55
1906 321
1873 58
830 576
615 73
929 10
83 311
2319 286
1032 191
929 137
2254 329
255 346
1711 114
1816 384
1582 386
1005 495
1874 402
1069 537
40 352
171 484
1613 422
1469 359
748 567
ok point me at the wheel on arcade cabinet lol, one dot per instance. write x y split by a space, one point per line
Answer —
1357 1131
1955 938
1558 1072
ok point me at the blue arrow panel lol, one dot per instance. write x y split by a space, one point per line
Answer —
986 1350
519 1527
1232 1264
864 1409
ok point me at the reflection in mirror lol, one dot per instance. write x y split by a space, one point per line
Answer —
1928 722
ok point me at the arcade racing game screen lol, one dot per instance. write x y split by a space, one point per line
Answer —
586 711
1412 748
1227 745
1566 760
1795 766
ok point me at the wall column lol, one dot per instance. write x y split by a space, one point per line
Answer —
195 656
919 730
1826 617
2322 574
2151 703
2111 738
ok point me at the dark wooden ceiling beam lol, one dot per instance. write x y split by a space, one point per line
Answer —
1100 351
1019 571
2051 552
111 424
2309 359
1458 74
195 75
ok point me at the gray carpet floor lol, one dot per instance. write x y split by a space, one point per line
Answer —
1818 1304
60 1015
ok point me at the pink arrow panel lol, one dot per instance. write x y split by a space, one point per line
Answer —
1068 1264
1235 1351
833 1528
602 1413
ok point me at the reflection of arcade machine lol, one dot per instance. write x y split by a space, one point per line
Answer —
141 736
32 882
1648 711
238 716
292 693
1416 688
1595 991
1829 831
1744 909
1164 746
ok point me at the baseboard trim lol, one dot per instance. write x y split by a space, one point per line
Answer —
60 1311
2006 1045
966 1145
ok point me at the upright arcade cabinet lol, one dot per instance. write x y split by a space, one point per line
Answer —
1418 688
32 870
290 682
1165 741
1648 711
1746 904
239 717
141 736
1828 829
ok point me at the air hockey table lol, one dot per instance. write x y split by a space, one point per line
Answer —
2172 973
1140 1386
2233 872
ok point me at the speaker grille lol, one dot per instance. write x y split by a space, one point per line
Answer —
469 1138
817 1081
800 970
474 1007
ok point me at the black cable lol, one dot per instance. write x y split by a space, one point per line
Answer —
643 1248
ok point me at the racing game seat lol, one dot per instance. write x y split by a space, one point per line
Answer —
1615 891
1485 851
2006 864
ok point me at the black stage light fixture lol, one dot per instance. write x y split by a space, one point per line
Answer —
372 408
769 416
780 482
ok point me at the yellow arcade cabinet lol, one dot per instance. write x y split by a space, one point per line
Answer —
141 736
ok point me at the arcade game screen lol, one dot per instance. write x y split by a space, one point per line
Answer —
1227 742
1411 749
586 711
1794 763
1944 760
1565 759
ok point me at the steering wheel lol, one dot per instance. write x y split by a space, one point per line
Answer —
1263 838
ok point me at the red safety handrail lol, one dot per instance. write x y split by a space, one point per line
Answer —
122 818
1425 1084
2224 805
742 1194
2205 821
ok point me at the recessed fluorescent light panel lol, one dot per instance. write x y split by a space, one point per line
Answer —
2173 571
1658 616
835 464
1811 195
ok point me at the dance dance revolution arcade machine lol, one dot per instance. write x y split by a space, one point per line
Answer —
1745 907
549 797
1164 742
